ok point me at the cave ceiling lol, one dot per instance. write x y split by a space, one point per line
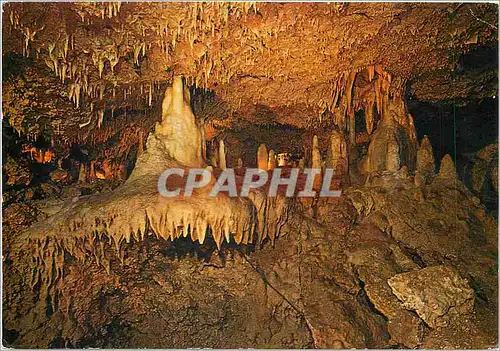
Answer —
84 61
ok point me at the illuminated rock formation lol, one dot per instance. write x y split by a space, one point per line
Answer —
178 131
447 170
316 162
262 157
337 157
394 142
222 155
316 159
85 227
425 168
82 174
271 163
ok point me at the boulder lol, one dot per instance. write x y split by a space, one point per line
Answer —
434 293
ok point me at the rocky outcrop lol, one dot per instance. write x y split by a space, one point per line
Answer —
434 293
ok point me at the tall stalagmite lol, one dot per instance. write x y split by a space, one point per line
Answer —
262 157
178 122
393 144
425 168
222 155
316 162
337 157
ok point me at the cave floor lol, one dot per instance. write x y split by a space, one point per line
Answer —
322 284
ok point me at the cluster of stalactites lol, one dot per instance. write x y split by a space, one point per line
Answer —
88 235
346 98
80 70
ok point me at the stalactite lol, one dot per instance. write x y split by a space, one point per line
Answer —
369 116
337 154
92 170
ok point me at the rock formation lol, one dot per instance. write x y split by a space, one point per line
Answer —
337 157
262 157
178 122
425 168
136 207
393 143
485 168
271 163
434 293
222 155
316 159
124 91
447 170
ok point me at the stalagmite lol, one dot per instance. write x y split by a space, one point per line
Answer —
262 157
393 144
82 174
316 162
425 166
271 163
106 167
222 155
447 170
337 155
178 121
92 170
316 159
369 116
